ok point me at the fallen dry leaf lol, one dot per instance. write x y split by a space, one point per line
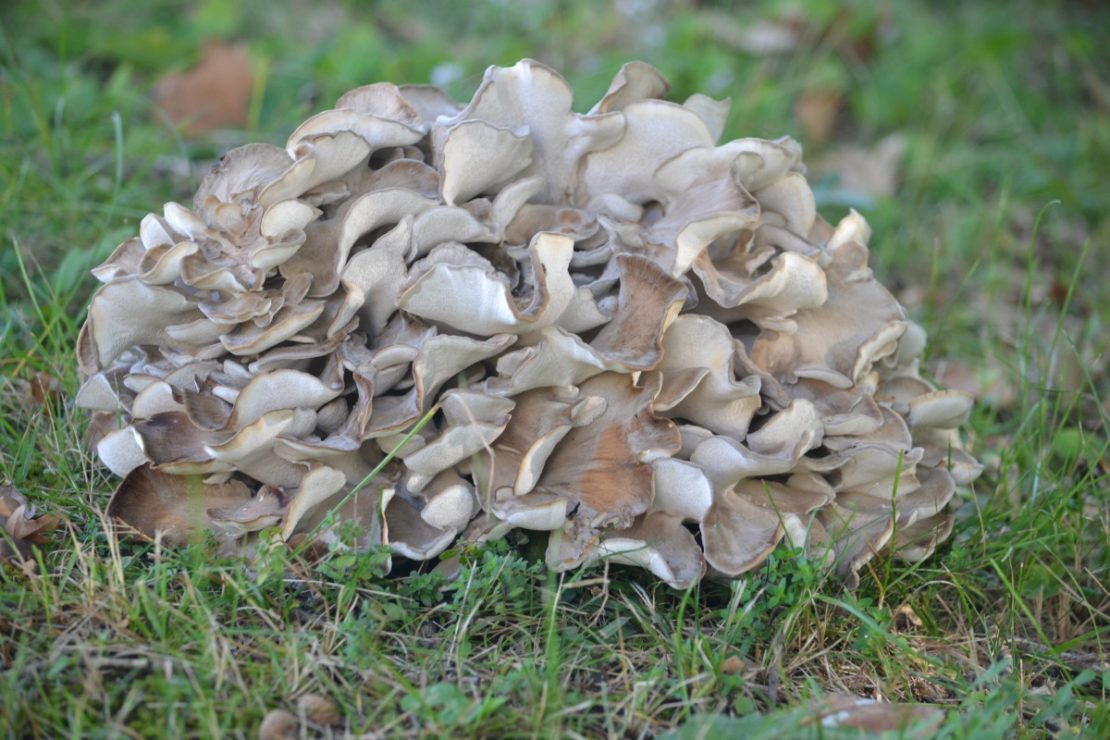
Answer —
816 112
312 709
733 664
278 724
906 619
841 711
871 172
763 37
318 709
990 383
858 32
20 528
214 94
44 388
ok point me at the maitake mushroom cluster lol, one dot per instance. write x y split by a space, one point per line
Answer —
648 345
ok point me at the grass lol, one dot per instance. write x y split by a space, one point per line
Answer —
996 240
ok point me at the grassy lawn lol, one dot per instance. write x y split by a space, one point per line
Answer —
983 134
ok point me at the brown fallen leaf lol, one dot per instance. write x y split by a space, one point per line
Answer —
906 619
871 172
214 94
44 388
990 383
733 664
318 710
761 37
858 32
841 711
20 528
816 111
278 724
449 568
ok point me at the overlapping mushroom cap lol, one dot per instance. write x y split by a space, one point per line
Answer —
645 343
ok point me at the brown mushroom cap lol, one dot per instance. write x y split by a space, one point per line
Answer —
175 508
603 468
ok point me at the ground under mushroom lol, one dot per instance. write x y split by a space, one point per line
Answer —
619 332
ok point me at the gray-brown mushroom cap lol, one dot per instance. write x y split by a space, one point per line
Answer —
603 468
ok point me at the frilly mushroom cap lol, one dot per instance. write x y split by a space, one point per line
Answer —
616 331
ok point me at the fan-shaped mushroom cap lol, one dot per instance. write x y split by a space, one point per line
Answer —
428 101
439 359
654 132
738 534
944 409
328 243
837 342
365 509
557 358
533 95
681 490
330 144
175 508
712 112
856 536
472 421
382 99
747 520
541 419
238 175
373 277
850 412
537 511
930 498
129 312
280 389
158 397
604 467
778 448
697 209
634 81
919 540
466 162
649 300
251 450
316 486
408 533
960 465
122 451
659 543
450 502
457 287
265 509
714 399
880 463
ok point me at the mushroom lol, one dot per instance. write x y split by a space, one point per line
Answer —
659 543
423 321
20 528
700 383
178 509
